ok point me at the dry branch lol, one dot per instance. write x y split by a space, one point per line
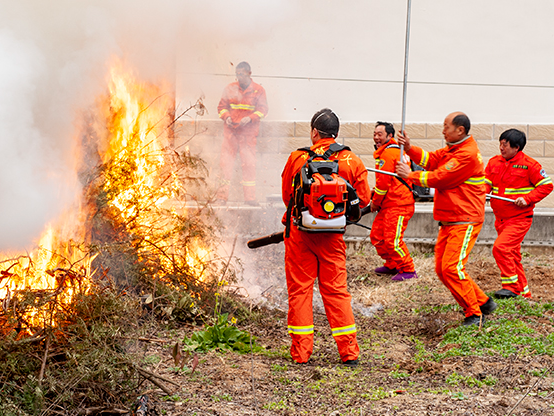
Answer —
150 374
99 410
43 365
153 380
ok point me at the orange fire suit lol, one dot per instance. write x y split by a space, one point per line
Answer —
395 203
236 104
320 255
521 176
457 174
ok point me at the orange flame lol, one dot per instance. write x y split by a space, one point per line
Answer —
144 180
141 182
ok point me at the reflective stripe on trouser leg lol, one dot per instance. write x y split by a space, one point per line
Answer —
229 150
388 237
508 280
377 238
301 271
507 253
454 244
397 234
345 330
301 330
331 251
249 189
248 163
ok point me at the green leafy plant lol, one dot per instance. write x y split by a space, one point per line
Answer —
459 396
222 335
521 307
398 374
503 337
455 379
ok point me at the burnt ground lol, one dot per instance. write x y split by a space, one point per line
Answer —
400 371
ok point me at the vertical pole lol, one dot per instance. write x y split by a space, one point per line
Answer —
405 81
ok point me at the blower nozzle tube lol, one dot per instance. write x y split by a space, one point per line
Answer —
274 238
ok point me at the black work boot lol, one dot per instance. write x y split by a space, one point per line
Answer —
504 294
351 363
474 320
488 307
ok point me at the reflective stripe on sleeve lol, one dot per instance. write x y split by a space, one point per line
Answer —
543 182
423 178
259 114
489 182
248 183
223 112
424 158
477 180
301 330
525 290
345 330
380 192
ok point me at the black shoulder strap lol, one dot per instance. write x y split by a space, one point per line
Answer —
333 148
288 217
395 146
406 184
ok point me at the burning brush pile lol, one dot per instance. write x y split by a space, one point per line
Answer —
134 249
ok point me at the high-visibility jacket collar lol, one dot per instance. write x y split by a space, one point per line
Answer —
458 142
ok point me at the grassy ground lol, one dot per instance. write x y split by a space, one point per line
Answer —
416 358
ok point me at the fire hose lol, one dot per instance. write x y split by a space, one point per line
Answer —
395 175
277 238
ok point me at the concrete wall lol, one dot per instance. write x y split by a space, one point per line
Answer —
491 59
278 139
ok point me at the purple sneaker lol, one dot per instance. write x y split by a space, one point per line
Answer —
404 276
385 270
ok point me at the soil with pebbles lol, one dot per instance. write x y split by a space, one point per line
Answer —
390 380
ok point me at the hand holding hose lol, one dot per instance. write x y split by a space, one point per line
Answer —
403 170
404 140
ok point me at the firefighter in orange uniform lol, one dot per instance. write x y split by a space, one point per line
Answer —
457 174
241 107
394 202
514 175
321 255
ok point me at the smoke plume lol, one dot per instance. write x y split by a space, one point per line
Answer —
55 57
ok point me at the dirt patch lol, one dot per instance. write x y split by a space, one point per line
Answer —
394 377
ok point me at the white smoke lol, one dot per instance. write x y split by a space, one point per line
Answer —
55 57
